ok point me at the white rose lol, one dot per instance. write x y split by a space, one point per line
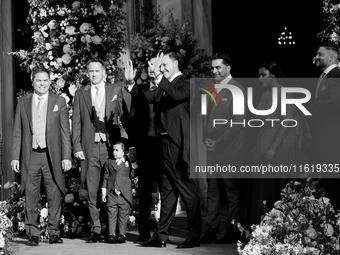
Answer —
61 12
72 89
60 83
96 39
66 58
70 30
75 5
43 12
329 230
52 24
98 9
85 27
44 213
67 49
48 46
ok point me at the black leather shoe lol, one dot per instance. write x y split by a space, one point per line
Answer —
227 239
209 237
153 242
188 244
55 239
111 239
142 239
121 239
94 238
33 241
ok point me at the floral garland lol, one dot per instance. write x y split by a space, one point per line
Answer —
66 34
5 229
302 222
332 32
170 37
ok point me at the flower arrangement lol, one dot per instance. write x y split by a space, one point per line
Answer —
5 229
170 37
66 34
331 8
302 222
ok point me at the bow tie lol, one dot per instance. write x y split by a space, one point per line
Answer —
119 161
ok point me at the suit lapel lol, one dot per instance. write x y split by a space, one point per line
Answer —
108 97
28 108
50 104
87 98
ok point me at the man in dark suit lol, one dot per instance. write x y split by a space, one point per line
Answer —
171 99
94 128
41 150
326 116
140 127
225 146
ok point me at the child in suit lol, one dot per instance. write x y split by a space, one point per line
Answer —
117 192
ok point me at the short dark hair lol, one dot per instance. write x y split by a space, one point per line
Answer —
330 46
273 68
39 69
224 56
174 57
123 144
96 60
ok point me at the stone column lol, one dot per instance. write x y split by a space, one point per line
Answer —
7 92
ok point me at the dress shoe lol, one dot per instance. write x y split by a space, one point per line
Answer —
142 239
111 239
227 239
33 241
153 242
94 238
209 237
121 239
55 239
188 244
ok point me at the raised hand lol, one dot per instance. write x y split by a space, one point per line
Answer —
154 66
129 72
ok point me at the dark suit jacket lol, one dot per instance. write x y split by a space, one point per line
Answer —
57 136
83 122
121 174
136 120
326 119
230 141
172 110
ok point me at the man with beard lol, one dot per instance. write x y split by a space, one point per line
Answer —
326 116
225 146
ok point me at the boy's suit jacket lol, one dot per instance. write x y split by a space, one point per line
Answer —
120 174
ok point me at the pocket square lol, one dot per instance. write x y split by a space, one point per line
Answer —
114 98
55 109
224 99
323 88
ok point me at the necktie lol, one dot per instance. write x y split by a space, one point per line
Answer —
97 97
318 87
40 103
127 98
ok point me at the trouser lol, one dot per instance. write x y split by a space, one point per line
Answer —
40 168
149 172
175 181
93 180
119 210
